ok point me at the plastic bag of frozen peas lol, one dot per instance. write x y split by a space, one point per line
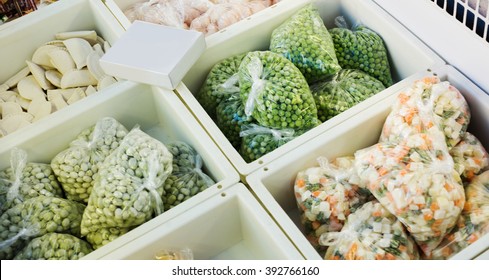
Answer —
24 180
76 167
371 233
128 188
55 246
327 194
473 222
304 40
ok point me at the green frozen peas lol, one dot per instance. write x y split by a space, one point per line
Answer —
275 93
55 246
187 178
219 84
362 49
304 40
230 117
104 236
342 91
36 217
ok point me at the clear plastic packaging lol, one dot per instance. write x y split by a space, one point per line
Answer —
76 167
55 246
469 156
362 49
342 91
175 254
304 40
230 117
275 92
371 233
326 195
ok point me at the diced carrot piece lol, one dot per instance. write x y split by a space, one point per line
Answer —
428 217
472 238
434 206
300 183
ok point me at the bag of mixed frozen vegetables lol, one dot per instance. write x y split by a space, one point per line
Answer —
128 188
76 167
187 178
342 91
326 195
469 156
362 49
451 111
304 40
230 116
415 180
24 180
275 92
371 233
258 141
55 246
472 224
36 217
220 84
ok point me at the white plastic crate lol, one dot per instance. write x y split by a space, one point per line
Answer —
274 183
231 225
19 40
457 30
158 112
407 55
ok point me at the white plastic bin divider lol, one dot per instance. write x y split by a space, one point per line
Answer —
443 33
483 256
231 225
407 55
273 184
19 41
158 112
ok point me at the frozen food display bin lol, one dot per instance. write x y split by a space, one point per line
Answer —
157 112
231 225
273 184
406 53
457 30
20 38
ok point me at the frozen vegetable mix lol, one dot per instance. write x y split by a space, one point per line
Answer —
470 156
77 166
230 117
36 217
24 180
473 222
187 178
304 40
371 233
327 194
451 111
221 82
275 92
342 91
128 188
55 246
416 181
258 141
362 49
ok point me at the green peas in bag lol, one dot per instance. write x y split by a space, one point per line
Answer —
55 246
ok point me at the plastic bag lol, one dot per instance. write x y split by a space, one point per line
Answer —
220 16
36 217
221 83
104 236
473 222
304 40
55 246
275 92
469 156
24 180
362 49
371 233
76 167
175 13
187 178
258 141
415 180
327 194
230 117
342 91
451 111
175 254
128 188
